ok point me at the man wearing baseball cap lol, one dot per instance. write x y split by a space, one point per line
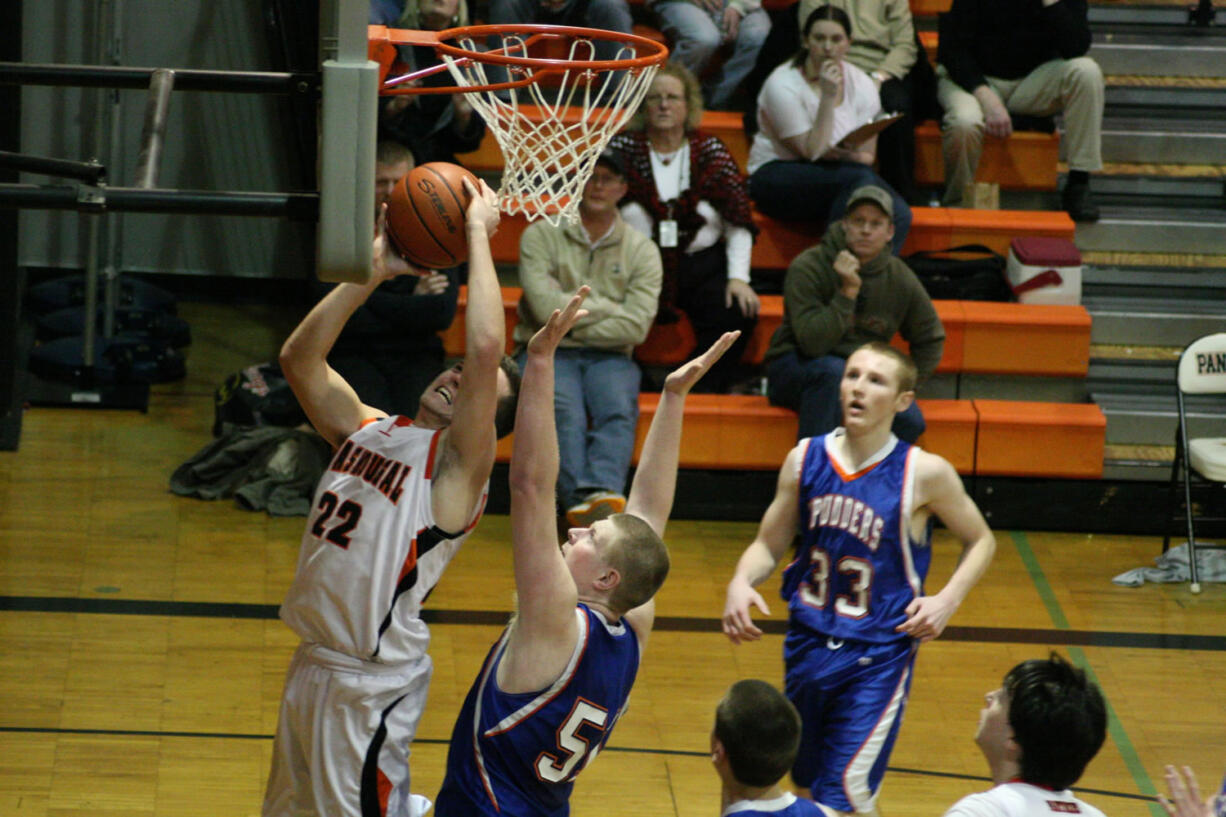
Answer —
846 291
596 400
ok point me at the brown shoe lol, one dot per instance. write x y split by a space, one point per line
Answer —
594 507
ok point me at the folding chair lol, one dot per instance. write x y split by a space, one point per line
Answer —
1202 370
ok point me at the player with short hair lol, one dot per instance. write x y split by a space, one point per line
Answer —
557 681
1038 731
392 508
863 503
753 745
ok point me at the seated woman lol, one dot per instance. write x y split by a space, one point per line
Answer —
687 193
806 107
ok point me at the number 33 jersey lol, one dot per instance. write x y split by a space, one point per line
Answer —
517 755
857 566
371 551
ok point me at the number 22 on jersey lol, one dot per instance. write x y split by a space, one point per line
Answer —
347 513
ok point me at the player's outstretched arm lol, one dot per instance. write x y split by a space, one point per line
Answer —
775 533
471 440
939 488
655 479
544 630
330 403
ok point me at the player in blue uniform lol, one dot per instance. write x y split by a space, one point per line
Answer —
862 502
554 685
756 735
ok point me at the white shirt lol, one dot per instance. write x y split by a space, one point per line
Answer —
787 107
1018 799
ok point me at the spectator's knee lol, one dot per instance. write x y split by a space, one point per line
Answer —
1083 73
963 123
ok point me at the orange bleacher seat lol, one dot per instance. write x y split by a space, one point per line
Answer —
1022 439
1005 338
745 432
1027 160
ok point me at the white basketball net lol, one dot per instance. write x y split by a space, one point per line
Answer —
547 162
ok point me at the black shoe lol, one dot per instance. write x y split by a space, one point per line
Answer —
1077 201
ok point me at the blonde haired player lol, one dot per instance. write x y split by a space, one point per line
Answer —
862 502
391 510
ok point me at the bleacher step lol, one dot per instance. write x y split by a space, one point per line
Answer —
1155 229
1159 51
1166 136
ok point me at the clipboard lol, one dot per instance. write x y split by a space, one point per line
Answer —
870 129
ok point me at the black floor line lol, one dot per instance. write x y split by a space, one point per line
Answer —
497 618
443 742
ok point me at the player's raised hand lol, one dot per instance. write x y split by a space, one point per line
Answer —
738 623
560 322
927 617
1185 799
483 205
682 379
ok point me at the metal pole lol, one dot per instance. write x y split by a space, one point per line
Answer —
91 298
112 238
90 172
156 106
108 76
295 206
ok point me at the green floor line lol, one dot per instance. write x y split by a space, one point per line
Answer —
1114 728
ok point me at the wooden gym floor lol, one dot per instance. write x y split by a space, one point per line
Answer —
141 660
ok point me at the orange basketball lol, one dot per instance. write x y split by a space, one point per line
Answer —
425 215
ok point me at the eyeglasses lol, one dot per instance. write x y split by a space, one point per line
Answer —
659 99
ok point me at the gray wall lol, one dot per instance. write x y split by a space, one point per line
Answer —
214 141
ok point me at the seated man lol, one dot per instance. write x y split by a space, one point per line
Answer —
390 348
839 295
1000 57
597 399
610 15
753 745
1037 732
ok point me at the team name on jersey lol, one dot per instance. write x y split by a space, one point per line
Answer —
384 473
1063 807
848 514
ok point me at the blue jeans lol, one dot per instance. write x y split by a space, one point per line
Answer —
696 35
596 409
810 387
781 189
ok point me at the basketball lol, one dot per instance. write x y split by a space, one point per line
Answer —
425 215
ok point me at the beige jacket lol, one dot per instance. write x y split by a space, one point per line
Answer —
624 271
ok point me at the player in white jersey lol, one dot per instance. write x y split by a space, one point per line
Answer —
1038 732
399 496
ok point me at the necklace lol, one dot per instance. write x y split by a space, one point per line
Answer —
665 158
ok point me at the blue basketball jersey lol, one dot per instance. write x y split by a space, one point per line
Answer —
785 805
518 755
857 567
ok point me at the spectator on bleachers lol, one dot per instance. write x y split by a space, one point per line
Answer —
885 46
799 165
1002 57
596 401
434 126
698 28
686 192
845 292
390 348
610 15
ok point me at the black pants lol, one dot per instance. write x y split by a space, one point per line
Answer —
702 281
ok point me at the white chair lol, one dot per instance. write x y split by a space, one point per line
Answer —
1202 370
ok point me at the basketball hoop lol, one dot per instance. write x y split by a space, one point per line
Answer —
550 103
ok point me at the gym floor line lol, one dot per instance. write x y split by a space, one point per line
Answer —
444 742
1059 635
